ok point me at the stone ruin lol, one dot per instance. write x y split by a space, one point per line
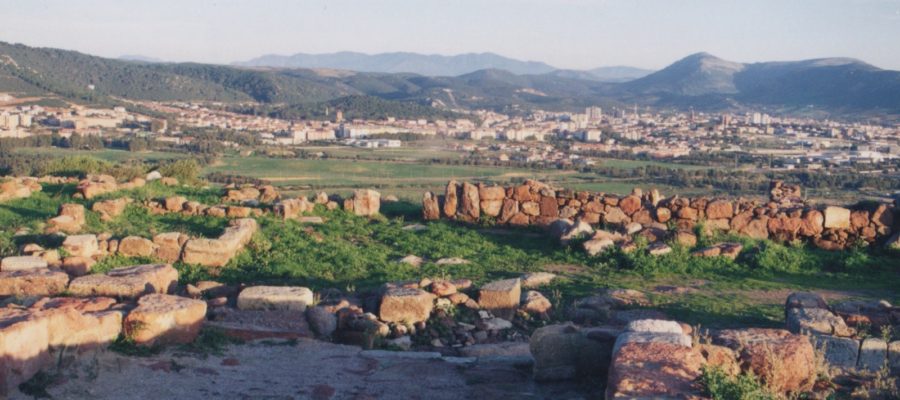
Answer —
784 218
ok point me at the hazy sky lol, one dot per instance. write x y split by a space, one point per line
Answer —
563 33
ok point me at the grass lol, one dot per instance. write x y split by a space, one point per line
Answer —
349 251
719 385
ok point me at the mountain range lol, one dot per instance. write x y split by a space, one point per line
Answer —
834 86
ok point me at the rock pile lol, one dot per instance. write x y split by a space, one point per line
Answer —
782 218
843 348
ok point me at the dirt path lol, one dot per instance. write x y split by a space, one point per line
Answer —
309 369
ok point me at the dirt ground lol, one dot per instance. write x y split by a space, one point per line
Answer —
307 369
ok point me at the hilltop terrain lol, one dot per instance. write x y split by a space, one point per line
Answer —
701 81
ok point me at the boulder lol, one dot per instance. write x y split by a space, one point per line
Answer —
81 245
169 246
407 305
268 194
534 303
816 321
654 370
77 266
95 185
365 202
24 347
136 246
535 279
717 209
293 298
109 209
20 263
430 208
79 323
784 360
321 320
174 203
33 282
501 297
630 204
470 204
127 282
293 208
805 300
165 319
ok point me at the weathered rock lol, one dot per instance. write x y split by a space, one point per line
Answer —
295 298
322 321
164 319
20 263
217 252
805 300
109 209
785 361
630 204
268 194
95 185
79 323
719 209
838 352
24 342
470 204
535 279
872 354
501 297
534 303
816 321
431 210
33 282
406 305
77 266
597 246
81 245
413 260
127 282
365 202
654 370
837 217
136 246
169 245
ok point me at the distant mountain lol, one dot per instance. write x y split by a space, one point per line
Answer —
604 74
139 58
837 84
402 62
834 86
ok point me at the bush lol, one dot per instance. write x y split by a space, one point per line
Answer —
719 385
776 257
186 171
73 166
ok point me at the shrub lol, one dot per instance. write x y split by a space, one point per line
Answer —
719 385
776 257
186 170
73 166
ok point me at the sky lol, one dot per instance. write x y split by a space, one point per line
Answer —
577 34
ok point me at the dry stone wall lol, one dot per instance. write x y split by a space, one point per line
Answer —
785 217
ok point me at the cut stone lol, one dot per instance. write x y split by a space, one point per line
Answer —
127 282
872 354
81 245
295 298
501 297
165 319
20 263
34 282
406 305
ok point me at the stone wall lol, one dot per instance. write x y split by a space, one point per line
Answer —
785 217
